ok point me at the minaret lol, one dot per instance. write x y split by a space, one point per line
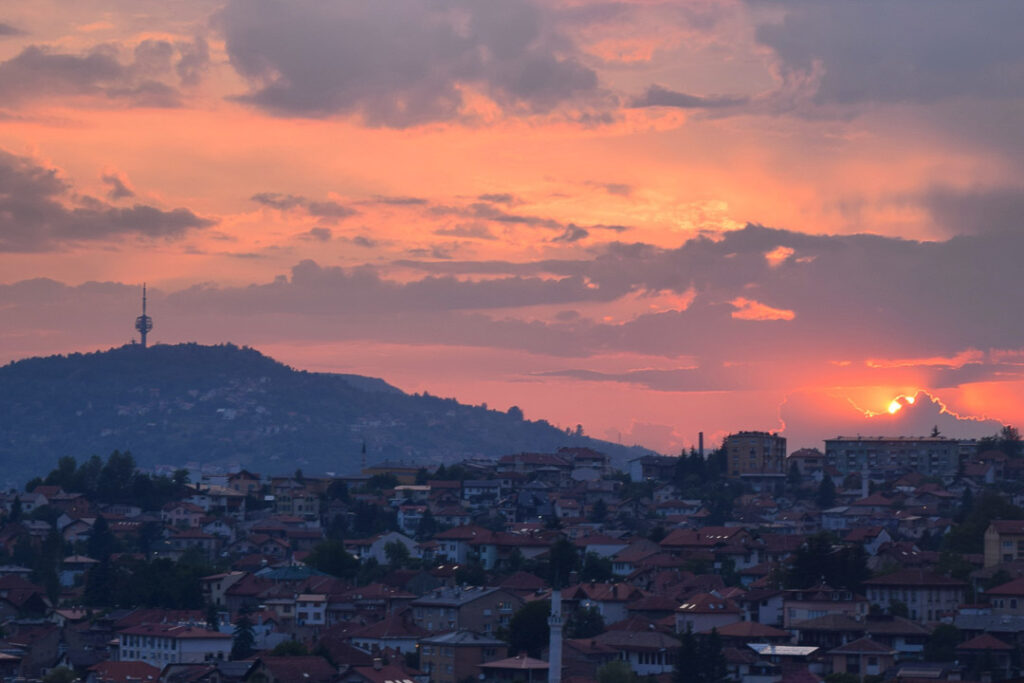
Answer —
555 642
143 323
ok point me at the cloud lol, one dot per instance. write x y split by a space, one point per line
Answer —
318 234
572 233
118 186
974 211
329 211
498 198
811 415
472 231
658 96
38 212
8 30
916 51
748 309
399 63
150 78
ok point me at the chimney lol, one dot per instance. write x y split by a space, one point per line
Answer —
378 663
700 444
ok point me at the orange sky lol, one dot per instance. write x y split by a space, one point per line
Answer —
541 204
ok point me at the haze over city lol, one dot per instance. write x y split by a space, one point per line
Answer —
649 219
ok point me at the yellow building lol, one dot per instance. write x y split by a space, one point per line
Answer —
755 453
1004 542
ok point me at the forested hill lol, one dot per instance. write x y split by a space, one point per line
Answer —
226 405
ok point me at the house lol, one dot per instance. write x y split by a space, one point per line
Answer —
160 644
648 652
705 611
376 546
1004 542
1007 598
308 668
926 595
395 632
182 514
862 657
483 610
121 672
456 656
609 599
803 604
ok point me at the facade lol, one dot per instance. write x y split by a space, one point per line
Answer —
456 656
162 644
1004 542
753 453
926 595
483 610
932 456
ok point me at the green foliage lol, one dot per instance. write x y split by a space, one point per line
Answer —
528 630
427 526
616 672
370 520
599 512
471 574
102 542
969 535
397 554
826 495
941 644
596 568
817 560
244 642
133 583
584 622
332 558
700 659
381 482
61 674
116 481
563 558
842 677
290 648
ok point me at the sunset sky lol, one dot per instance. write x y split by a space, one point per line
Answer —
648 218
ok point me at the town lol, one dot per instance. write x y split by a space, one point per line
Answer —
876 559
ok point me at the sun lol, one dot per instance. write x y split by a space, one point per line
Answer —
898 403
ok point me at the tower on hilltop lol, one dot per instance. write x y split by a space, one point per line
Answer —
143 323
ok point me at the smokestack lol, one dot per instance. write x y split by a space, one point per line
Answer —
700 442
555 640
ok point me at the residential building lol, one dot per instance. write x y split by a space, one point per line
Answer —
755 453
164 643
932 456
926 595
457 656
483 610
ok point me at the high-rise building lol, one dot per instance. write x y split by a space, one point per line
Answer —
932 456
754 453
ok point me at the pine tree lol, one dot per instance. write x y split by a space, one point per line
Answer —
245 640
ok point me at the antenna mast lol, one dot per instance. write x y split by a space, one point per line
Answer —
143 323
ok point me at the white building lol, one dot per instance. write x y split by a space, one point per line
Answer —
162 644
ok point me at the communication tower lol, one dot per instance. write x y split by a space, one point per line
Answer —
143 323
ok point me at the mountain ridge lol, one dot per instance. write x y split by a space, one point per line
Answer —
225 405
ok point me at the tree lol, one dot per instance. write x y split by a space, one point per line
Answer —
941 644
61 674
599 512
596 568
584 622
16 510
244 642
616 672
332 557
471 573
1010 441
528 631
700 659
397 554
102 542
427 526
290 648
563 559
212 617
826 496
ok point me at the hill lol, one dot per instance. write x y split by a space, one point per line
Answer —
225 405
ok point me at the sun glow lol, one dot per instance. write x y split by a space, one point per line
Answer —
898 403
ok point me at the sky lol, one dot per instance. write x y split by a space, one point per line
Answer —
651 219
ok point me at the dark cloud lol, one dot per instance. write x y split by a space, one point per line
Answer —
658 96
145 80
8 30
572 233
977 210
475 231
319 234
498 198
398 63
118 188
37 213
328 211
920 51
397 201
363 241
